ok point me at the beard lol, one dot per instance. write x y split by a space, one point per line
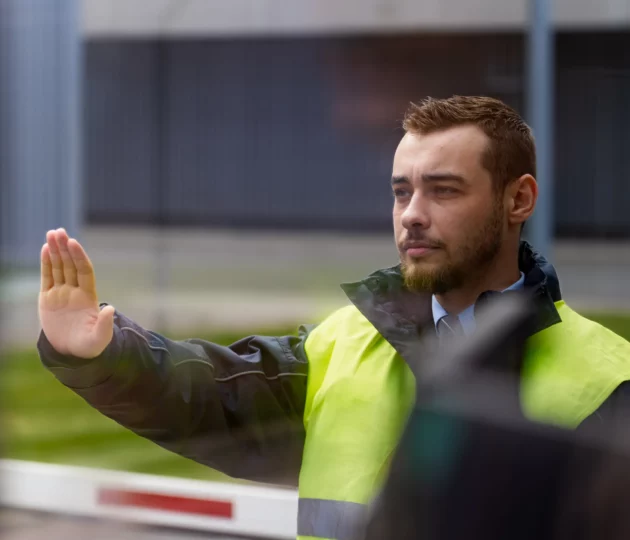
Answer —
472 256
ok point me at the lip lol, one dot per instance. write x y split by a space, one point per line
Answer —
419 251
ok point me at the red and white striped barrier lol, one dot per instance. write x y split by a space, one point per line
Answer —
152 500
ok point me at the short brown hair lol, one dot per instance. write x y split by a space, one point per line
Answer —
512 150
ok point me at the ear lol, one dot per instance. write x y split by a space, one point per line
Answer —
522 195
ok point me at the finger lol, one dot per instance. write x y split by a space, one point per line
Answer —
69 269
85 270
55 258
47 274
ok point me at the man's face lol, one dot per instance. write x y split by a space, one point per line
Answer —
448 219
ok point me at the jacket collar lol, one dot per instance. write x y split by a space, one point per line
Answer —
403 317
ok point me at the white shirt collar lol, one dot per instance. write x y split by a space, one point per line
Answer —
467 317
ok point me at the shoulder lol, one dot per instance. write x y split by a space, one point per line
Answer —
344 320
609 354
587 332
574 366
345 323
580 337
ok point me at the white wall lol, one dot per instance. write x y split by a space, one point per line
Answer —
221 17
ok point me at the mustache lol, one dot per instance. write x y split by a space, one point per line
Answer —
420 241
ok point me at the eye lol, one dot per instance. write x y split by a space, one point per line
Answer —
444 190
400 193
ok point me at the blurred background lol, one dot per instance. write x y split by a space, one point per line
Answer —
226 164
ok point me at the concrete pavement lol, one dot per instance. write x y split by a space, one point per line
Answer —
22 525
191 281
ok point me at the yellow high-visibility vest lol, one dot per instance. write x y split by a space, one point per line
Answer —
361 392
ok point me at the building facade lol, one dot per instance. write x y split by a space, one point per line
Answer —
286 115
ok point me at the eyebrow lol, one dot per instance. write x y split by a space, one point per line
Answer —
400 180
443 176
431 177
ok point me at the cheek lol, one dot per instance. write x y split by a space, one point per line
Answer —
456 223
449 222
397 221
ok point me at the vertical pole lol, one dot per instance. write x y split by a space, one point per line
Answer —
162 261
540 109
40 89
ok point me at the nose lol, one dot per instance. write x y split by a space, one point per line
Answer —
416 215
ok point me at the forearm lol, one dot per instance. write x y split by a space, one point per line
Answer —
237 409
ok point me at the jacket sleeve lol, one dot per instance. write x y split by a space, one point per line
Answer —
237 409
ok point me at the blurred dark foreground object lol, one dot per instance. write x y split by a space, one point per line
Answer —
470 465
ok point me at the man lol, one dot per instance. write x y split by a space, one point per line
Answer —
326 409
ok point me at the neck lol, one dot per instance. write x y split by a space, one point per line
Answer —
502 272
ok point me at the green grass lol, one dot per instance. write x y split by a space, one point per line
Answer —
43 421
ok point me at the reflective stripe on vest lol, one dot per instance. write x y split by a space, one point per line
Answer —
340 520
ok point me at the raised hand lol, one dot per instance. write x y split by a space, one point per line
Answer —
68 306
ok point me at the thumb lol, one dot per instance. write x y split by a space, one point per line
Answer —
105 323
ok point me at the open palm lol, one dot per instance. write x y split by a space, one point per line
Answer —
68 306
